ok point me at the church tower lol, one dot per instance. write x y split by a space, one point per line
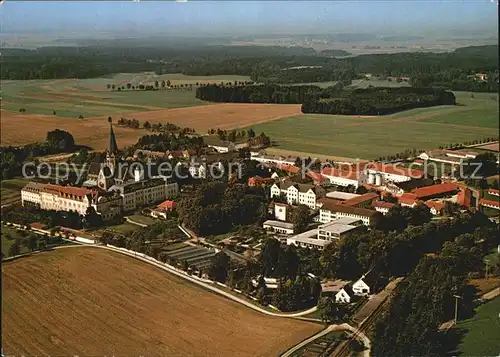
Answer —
112 149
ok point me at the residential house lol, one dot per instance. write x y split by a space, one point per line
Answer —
435 207
360 287
345 295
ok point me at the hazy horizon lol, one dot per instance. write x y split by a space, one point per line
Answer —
202 18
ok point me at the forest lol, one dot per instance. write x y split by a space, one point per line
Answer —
379 101
331 100
262 63
266 93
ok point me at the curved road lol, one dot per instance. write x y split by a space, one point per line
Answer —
194 280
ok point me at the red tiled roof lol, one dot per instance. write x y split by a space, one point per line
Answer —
396 170
167 205
369 196
438 206
259 180
494 192
175 153
408 198
335 172
316 176
433 190
383 204
483 202
328 200
67 190
289 168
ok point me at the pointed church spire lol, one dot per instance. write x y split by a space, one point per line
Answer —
113 147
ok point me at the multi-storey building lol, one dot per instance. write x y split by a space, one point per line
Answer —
298 193
111 188
331 211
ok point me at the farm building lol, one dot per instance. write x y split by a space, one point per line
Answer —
436 191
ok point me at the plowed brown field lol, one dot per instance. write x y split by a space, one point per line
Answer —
89 301
21 129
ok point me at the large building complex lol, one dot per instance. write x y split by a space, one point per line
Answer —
111 188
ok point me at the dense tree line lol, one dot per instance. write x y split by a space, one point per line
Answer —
12 158
261 63
397 252
271 64
216 208
169 141
379 101
271 93
410 325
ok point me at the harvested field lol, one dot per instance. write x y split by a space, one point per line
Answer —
224 116
89 301
20 128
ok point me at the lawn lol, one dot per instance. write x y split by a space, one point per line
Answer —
482 331
124 228
89 301
139 218
10 191
369 138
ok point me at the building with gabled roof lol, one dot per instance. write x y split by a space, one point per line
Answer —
435 207
408 200
435 191
298 193
382 206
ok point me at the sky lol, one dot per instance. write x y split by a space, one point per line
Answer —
246 17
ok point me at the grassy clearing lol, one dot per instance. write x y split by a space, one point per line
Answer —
9 236
139 218
10 191
369 138
124 228
481 331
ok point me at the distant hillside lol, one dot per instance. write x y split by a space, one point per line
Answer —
334 53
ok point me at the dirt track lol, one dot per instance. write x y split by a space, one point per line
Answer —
89 301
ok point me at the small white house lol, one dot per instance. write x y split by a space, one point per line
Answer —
360 288
345 295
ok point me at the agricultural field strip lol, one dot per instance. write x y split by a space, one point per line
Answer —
183 339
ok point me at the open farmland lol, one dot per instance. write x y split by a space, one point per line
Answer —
20 128
71 98
89 301
371 137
